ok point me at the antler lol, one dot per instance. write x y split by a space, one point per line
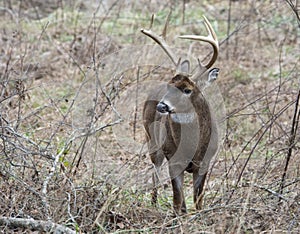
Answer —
211 39
160 40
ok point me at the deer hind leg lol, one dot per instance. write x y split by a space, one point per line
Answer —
157 160
178 195
198 181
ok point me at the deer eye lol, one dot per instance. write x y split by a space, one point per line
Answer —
187 91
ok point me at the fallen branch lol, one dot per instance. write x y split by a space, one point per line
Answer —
35 225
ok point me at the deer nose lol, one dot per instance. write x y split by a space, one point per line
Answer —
162 107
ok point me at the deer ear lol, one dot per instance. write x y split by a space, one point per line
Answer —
183 67
213 75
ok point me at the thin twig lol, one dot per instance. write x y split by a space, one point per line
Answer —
280 196
136 103
293 134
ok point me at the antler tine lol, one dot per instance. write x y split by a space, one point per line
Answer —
211 39
164 33
210 29
160 40
152 20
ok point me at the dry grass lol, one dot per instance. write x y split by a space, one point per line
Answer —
63 156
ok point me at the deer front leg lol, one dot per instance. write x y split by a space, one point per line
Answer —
198 181
157 160
178 196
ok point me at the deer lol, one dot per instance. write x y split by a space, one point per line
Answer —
178 122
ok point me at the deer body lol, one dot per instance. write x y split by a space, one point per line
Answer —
180 127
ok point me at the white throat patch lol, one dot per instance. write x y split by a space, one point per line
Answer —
183 118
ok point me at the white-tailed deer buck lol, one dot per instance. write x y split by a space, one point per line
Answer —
179 124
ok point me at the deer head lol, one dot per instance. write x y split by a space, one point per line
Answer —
182 93
182 87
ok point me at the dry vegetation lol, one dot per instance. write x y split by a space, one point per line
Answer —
66 163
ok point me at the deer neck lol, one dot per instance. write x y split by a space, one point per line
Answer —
183 118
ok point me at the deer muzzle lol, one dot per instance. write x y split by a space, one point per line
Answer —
162 107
